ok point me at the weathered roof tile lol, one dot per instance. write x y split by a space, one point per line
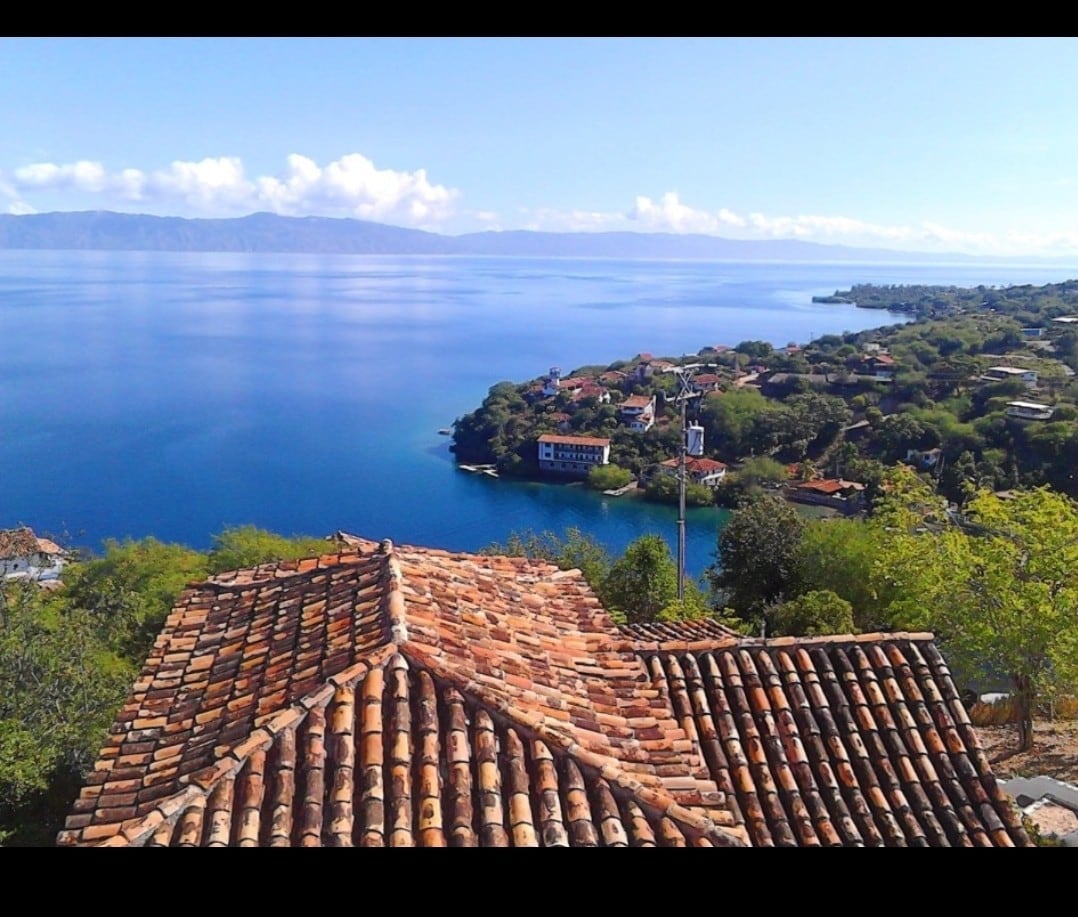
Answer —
388 696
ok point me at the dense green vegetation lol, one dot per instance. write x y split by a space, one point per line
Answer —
992 576
608 477
849 405
995 584
639 586
68 657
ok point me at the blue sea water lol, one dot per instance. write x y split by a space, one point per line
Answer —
172 394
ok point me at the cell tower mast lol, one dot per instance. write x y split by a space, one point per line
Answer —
692 443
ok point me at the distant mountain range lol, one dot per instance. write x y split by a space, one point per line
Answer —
268 232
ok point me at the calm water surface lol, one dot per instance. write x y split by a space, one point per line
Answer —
172 394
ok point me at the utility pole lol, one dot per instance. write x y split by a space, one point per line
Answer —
695 447
681 504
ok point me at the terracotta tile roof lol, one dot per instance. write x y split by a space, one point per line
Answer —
17 543
830 485
574 440
695 465
45 546
403 696
662 632
636 401
397 696
834 740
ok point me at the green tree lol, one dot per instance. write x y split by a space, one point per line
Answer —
132 589
840 555
818 612
1000 592
247 546
60 687
663 488
757 565
642 583
608 477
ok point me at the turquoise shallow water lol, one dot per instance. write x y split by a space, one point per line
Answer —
173 394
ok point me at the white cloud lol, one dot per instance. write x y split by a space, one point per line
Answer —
669 213
353 186
210 185
218 186
82 176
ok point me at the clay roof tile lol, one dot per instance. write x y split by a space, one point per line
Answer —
387 695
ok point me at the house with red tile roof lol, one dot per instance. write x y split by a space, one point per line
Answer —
879 365
385 695
847 496
638 411
591 390
705 382
25 556
698 470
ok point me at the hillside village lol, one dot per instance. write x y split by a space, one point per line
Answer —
971 393
338 691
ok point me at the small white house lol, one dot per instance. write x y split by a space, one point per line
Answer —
1002 373
1029 410
25 556
638 411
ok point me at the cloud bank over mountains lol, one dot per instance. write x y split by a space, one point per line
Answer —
353 186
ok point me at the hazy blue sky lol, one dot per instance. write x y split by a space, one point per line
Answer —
922 144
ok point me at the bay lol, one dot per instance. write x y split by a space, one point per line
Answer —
173 394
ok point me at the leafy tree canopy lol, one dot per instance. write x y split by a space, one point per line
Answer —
820 611
999 590
757 553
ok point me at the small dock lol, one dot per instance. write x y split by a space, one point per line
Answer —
489 470
621 491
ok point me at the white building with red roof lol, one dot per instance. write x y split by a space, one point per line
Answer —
638 411
25 556
698 470
572 455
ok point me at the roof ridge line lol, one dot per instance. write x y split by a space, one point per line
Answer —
393 602
608 767
705 644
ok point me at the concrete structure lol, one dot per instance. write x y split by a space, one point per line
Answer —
1050 804
845 496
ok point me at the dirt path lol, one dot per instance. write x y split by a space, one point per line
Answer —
1054 754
